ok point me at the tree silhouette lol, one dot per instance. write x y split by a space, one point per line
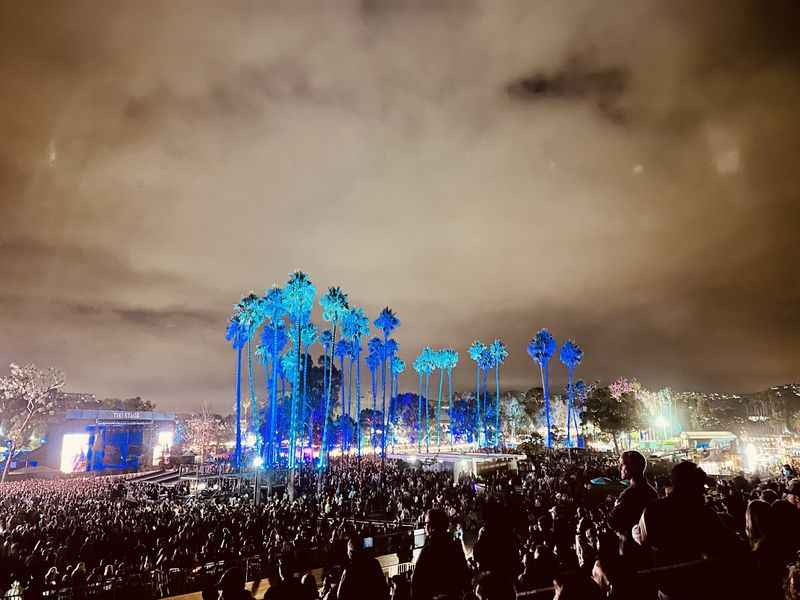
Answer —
236 334
387 322
334 304
570 356
499 354
355 325
541 349
299 295
476 350
398 367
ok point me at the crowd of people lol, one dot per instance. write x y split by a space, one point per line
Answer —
560 529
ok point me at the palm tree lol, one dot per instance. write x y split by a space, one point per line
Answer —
387 322
398 366
485 364
299 295
428 365
450 362
273 341
342 351
438 361
237 336
374 360
541 349
476 350
390 349
570 356
334 304
355 325
419 367
274 309
251 316
499 354
308 337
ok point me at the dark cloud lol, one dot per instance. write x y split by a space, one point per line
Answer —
462 162
604 87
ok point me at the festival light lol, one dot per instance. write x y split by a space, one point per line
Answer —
257 462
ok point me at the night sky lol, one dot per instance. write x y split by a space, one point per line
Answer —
625 173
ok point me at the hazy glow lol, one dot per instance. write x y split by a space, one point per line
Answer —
165 441
74 447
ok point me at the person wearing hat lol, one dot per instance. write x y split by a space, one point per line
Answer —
231 585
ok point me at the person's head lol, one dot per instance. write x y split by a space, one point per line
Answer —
756 520
793 493
632 465
354 545
769 495
436 522
688 480
309 581
231 583
576 586
491 586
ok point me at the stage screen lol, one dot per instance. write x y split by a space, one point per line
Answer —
165 441
73 452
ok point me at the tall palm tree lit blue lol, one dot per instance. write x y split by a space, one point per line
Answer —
581 391
450 360
398 366
308 337
499 354
334 304
419 367
541 349
476 350
273 341
274 309
237 336
387 322
570 356
355 325
299 295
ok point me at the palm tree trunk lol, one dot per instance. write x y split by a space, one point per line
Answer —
427 413
478 419
323 453
237 460
549 439
450 404
358 396
497 405
569 408
303 408
419 413
273 403
438 410
251 386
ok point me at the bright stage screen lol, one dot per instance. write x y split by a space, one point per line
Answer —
165 440
73 452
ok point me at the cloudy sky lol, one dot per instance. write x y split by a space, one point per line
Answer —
626 174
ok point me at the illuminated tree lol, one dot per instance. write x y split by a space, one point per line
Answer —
273 341
27 398
374 361
419 367
499 354
299 295
387 322
541 349
450 360
237 335
485 364
251 316
308 337
581 391
570 356
398 366
355 325
334 305
476 350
